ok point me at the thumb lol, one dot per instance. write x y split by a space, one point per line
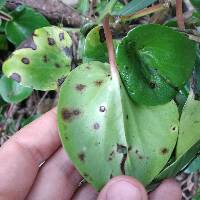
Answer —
123 188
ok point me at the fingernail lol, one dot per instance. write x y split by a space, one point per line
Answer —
122 190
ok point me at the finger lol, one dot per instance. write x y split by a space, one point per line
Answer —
168 190
22 154
86 192
123 188
57 179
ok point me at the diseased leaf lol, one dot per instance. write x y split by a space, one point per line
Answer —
13 92
99 118
43 61
154 62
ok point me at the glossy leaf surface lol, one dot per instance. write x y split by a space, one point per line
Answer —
43 61
154 61
13 92
106 134
25 21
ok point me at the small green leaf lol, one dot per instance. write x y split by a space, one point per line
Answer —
25 21
134 6
95 46
128 139
13 92
83 6
154 62
43 60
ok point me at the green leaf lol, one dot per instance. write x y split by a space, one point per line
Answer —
189 126
99 119
13 92
43 60
25 21
95 46
154 62
134 6
83 6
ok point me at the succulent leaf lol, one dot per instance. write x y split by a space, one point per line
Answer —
99 119
154 61
41 62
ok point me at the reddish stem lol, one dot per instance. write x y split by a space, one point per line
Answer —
179 14
111 54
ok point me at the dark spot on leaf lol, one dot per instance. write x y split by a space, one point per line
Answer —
51 41
26 61
68 115
34 34
129 148
57 65
16 77
138 154
111 176
61 36
45 58
98 83
81 156
60 81
88 67
111 155
102 36
164 151
85 175
102 109
67 51
96 126
80 87
152 85
121 149
127 117
76 112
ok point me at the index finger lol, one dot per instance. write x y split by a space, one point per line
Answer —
21 156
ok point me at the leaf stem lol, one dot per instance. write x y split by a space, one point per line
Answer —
179 14
109 43
146 11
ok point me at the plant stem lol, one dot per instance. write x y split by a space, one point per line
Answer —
109 43
179 14
146 11
5 16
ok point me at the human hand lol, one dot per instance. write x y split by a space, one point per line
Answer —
22 177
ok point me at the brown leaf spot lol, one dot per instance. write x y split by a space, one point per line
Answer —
164 151
26 61
80 87
68 115
16 77
102 109
122 164
81 156
45 58
96 126
111 155
98 83
57 65
127 117
61 36
51 41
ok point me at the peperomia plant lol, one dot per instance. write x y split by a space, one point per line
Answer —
118 113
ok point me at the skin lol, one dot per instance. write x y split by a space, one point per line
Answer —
23 176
